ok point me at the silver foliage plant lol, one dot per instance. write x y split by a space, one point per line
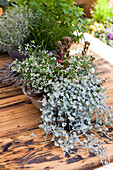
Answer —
14 27
77 116
75 112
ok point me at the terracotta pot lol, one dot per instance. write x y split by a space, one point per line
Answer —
1 11
35 102
87 5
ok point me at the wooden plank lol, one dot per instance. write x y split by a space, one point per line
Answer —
18 122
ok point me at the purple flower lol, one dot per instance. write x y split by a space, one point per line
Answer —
111 35
107 29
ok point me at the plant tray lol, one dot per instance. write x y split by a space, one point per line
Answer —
22 141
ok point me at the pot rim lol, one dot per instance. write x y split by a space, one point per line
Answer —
28 95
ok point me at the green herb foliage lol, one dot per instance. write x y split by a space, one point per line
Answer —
59 18
101 10
15 27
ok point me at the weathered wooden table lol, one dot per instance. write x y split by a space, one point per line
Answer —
19 149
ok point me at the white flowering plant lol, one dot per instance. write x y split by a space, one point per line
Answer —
74 110
43 67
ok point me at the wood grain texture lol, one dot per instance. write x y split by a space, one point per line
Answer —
18 124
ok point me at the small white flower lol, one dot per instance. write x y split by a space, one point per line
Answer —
92 70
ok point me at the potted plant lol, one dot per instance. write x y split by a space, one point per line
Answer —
72 96
41 21
70 90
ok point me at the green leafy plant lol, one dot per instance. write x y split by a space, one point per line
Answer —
18 2
101 10
60 18
53 21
